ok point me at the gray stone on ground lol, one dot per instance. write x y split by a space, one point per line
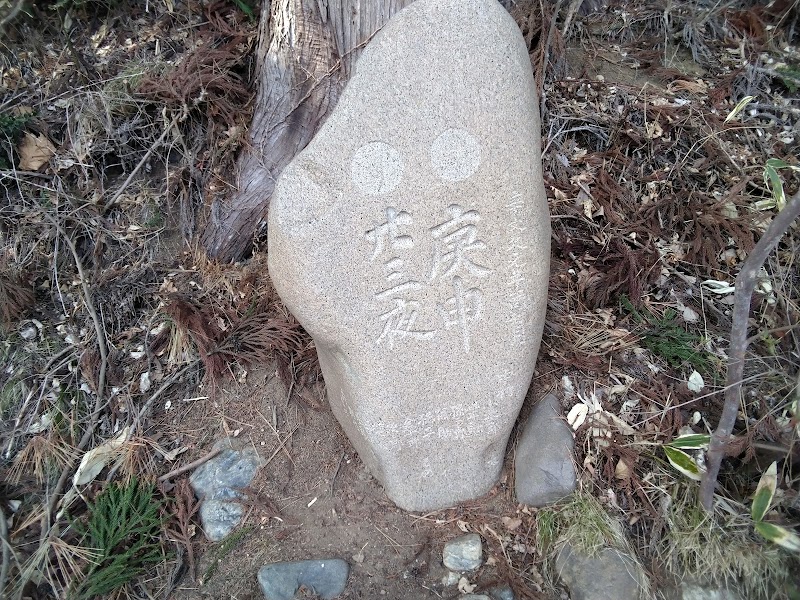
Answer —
544 467
474 597
502 592
463 553
450 578
325 578
610 575
691 590
411 238
217 482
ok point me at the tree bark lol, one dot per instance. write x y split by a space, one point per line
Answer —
307 49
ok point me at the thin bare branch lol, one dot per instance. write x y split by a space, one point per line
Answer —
189 466
745 286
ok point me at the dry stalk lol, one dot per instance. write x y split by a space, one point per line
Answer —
145 158
4 541
49 530
745 286
190 466
15 9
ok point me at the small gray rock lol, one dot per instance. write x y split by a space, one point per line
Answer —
611 575
219 518
474 597
544 469
216 484
691 590
326 578
450 579
230 470
502 592
464 553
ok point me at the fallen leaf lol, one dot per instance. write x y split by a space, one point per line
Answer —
97 458
622 470
465 587
511 523
695 383
144 382
690 315
723 288
173 454
35 151
577 415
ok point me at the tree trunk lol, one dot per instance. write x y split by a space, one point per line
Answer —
307 49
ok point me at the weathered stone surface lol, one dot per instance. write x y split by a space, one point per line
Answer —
216 484
324 578
610 575
411 239
464 553
503 592
691 590
544 468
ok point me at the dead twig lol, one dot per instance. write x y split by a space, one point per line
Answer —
172 379
4 541
189 466
51 530
745 286
6 19
101 380
145 158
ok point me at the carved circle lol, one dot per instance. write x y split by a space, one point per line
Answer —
455 155
376 168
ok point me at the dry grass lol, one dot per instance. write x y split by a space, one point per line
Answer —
720 548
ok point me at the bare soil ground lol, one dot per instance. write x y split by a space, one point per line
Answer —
122 345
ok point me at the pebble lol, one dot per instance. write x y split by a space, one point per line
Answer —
450 579
610 575
690 590
220 517
325 578
502 592
475 597
544 467
464 553
217 482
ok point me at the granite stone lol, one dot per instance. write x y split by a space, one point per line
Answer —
544 466
608 575
464 553
324 578
217 482
411 239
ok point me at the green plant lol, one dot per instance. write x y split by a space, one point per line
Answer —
11 126
682 461
582 522
790 77
765 492
245 8
718 547
664 336
124 525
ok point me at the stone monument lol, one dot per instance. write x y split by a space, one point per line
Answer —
411 238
